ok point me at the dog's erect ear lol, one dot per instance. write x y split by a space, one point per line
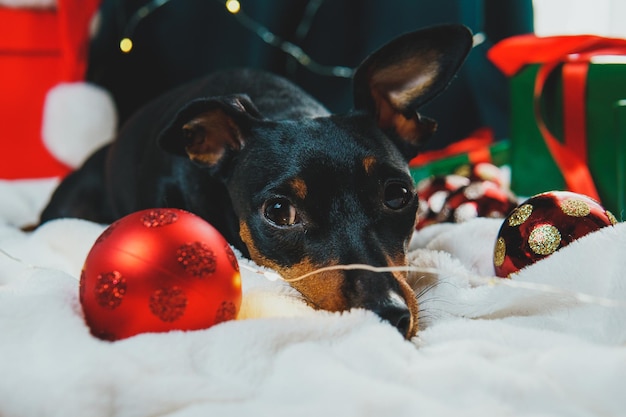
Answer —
397 79
208 129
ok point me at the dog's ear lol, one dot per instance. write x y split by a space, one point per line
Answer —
208 129
397 79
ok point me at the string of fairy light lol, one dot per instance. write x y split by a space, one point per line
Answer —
234 7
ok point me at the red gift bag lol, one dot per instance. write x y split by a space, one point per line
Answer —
38 49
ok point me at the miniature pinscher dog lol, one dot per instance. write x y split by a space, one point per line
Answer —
291 186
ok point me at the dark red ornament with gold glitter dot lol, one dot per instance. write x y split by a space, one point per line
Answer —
542 225
158 270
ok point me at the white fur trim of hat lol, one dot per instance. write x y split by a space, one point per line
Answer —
78 118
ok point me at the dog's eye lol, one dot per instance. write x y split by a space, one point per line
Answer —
280 212
397 195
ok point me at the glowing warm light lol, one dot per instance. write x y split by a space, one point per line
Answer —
233 6
126 45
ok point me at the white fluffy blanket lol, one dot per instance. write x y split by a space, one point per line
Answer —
551 343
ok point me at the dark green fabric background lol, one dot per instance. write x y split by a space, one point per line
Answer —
185 39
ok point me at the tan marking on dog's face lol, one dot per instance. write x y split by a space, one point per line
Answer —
246 237
411 301
322 291
368 164
407 292
299 188
397 260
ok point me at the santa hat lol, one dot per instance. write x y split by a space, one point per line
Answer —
78 117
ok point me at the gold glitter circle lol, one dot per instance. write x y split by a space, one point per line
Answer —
520 214
611 217
499 252
574 207
544 239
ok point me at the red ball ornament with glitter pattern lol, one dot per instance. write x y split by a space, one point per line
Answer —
542 225
158 270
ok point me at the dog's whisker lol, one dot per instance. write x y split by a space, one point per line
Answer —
434 300
425 290
429 312
428 318
427 315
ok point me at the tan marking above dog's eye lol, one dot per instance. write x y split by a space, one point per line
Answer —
369 163
299 188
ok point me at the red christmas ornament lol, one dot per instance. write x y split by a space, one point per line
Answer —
474 190
542 225
432 194
486 171
159 270
478 199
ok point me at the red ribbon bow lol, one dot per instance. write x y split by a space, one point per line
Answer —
476 146
574 53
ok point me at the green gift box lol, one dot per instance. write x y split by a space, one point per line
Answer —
568 115
533 168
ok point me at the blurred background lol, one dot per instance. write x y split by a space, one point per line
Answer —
315 43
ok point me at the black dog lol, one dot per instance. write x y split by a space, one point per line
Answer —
291 186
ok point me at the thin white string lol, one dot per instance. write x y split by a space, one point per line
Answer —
15 259
474 280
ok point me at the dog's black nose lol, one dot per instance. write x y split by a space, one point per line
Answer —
397 314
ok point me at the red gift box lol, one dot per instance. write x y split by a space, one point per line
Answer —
38 49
